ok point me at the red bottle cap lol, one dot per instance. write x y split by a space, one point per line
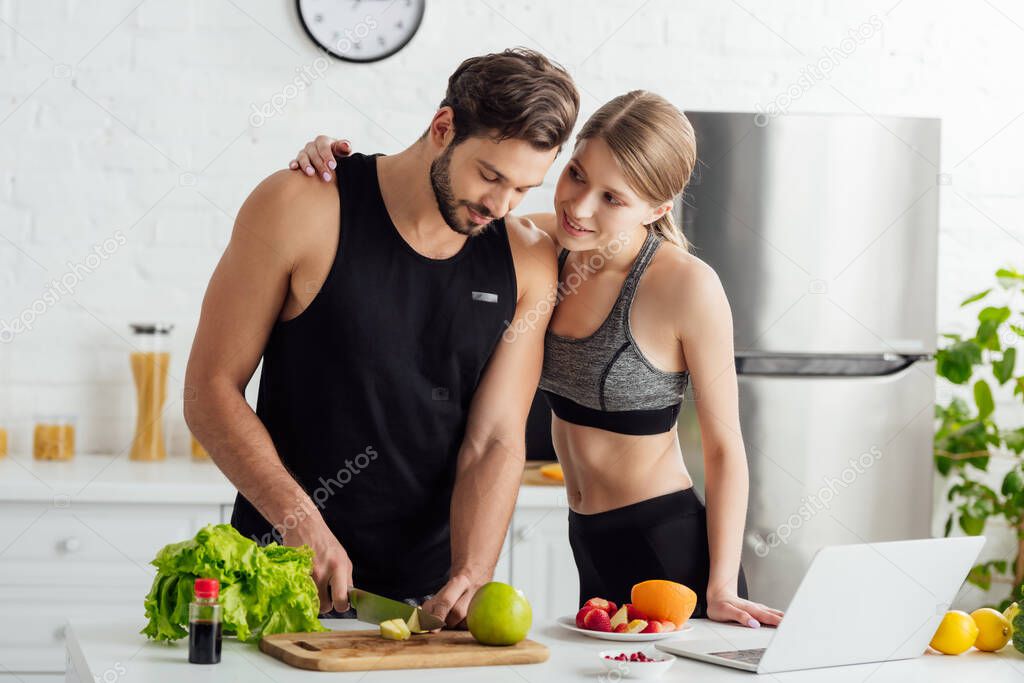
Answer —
207 588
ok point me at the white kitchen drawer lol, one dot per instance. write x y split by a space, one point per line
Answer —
21 677
39 543
78 561
32 627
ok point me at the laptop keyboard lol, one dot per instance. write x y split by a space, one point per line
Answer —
751 656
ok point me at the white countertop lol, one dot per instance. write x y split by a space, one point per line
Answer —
91 478
108 650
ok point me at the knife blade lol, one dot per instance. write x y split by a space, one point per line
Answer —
374 609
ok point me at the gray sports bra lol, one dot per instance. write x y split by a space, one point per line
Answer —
604 380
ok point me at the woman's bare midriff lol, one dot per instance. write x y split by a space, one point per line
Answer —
604 471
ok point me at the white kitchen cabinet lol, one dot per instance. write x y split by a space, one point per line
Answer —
542 563
78 561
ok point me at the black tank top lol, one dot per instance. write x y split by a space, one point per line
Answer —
366 392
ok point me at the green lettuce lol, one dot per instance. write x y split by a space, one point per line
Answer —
263 590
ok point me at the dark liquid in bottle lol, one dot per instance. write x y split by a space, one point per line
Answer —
204 642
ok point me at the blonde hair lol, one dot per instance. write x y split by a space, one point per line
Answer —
655 146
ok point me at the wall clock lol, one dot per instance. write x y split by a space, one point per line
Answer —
361 30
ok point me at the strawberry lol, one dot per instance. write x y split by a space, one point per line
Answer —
621 628
600 603
655 626
634 613
597 620
581 614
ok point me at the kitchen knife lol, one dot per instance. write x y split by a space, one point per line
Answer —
374 609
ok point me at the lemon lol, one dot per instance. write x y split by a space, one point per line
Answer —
993 629
956 633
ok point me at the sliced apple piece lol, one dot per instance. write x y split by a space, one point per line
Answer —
395 629
620 617
414 623
636 626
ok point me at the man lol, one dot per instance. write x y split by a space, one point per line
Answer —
389 429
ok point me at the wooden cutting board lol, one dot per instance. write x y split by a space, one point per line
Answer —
368 651
533 477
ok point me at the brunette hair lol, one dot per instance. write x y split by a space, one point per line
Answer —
515 94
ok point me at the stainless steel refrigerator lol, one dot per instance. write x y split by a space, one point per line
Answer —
823 230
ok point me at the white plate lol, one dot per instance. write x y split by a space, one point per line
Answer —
570 624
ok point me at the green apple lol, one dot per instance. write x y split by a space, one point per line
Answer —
499 614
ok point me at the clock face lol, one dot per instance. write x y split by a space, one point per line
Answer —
361 30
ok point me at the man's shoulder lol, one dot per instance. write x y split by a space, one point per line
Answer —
288 207
294 191
525 234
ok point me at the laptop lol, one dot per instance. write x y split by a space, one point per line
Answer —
872 602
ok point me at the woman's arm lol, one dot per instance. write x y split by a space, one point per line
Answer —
705 331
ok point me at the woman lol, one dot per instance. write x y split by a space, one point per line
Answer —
638 317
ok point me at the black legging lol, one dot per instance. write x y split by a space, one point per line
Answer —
665 537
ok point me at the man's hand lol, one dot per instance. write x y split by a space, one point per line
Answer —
317 157
451 603
332 567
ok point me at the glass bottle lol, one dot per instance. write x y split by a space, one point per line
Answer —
204 623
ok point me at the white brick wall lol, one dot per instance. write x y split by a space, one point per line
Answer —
103 107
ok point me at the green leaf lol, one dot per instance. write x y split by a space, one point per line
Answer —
983 399
943 464
1008 277
956 362
1018 386
1014 439
975 297
972 526
1003 368
1017 329
980 576
999 315
949 525
1012 482
988 335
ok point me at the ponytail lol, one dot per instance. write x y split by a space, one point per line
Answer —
666 228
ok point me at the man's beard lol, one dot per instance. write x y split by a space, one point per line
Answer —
441 182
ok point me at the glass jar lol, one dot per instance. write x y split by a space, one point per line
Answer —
149 363
54 438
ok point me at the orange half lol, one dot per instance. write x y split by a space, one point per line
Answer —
664 600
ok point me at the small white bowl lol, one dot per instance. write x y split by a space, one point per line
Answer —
647 670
